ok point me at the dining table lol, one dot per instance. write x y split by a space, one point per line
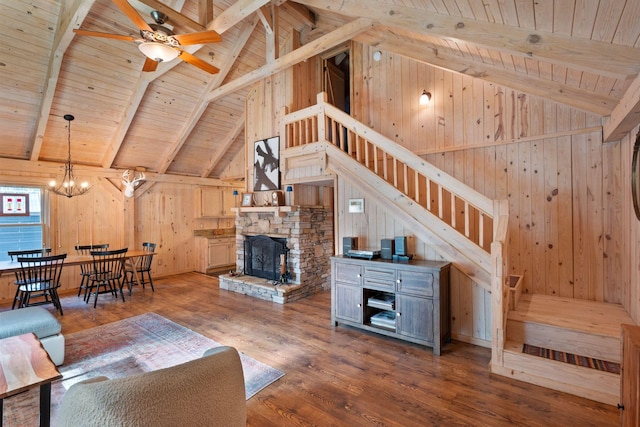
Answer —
131 260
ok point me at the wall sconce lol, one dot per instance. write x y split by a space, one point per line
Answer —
425 97
288 195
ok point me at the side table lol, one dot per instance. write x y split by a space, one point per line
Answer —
25 364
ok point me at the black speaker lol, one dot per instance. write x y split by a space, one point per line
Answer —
387 248
349 243
401 245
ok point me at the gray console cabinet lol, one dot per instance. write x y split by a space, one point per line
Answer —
405 300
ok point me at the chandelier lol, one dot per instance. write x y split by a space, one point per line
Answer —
68 185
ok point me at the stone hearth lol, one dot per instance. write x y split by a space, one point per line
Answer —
309 235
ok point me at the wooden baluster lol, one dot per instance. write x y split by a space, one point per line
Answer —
428 193
406 178
467 230
375 159
385 166
440 201
481 229
416 183
454 214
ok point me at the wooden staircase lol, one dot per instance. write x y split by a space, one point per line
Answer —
321 141
585 328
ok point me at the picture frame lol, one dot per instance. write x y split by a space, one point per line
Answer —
14 205
356 205
247 199
266 164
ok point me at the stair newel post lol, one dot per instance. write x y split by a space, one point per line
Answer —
322 118
499 272
284 135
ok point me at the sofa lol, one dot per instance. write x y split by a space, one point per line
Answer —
208 391
39 321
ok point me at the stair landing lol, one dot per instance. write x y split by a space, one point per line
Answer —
584 328
579 315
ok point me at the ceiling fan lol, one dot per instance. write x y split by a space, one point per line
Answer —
159 43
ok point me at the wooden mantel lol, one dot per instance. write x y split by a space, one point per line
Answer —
276 210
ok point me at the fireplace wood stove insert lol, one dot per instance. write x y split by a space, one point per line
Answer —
266 257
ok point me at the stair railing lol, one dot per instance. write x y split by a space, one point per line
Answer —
458 205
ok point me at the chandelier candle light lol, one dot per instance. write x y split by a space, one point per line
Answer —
68 185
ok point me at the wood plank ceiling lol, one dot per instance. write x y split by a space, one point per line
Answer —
182 121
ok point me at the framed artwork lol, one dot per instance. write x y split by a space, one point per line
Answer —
15 204
247 199
356 205
266 164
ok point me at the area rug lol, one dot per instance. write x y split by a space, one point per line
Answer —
138 344
561 356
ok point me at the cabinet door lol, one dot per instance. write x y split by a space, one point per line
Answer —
416 282
414 317
231 251
218 253
348 302
347 273
210 202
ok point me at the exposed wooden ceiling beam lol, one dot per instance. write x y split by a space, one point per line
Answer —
338 36
47 170
597 57
227 16
123 124
223 146
625 116
234 14
201 106
69 19
300 13
205 11
175 17
558 92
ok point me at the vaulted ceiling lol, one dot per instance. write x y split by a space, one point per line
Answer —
184 122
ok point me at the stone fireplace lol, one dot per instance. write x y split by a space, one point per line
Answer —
301 241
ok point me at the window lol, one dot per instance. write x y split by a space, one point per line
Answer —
21 227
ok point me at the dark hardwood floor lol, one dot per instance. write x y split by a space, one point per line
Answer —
339 376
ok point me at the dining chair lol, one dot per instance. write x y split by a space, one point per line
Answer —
24 253
107 274
142 266
40 280
86 269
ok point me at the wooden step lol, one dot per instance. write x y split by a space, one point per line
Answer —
577 380
585 328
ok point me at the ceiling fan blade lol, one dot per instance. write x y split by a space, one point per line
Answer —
194 60
149 65
200 37
132 14
105 35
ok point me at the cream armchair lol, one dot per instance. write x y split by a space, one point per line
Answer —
204 392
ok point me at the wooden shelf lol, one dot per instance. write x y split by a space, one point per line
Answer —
276 210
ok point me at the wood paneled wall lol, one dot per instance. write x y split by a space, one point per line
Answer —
162 213
563 185
292 90
470 303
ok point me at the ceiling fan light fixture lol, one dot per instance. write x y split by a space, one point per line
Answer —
158 51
